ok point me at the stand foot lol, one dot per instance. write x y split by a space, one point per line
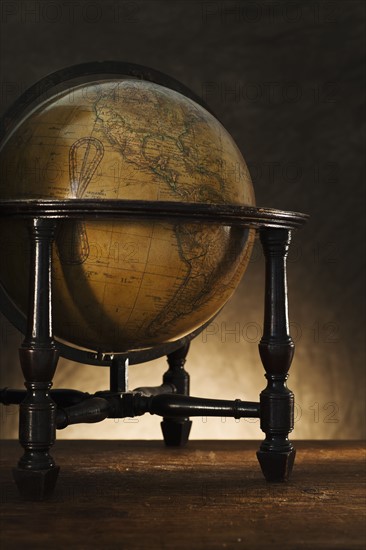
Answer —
276 466
36 485
176 432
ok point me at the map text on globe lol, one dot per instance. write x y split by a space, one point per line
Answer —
122 285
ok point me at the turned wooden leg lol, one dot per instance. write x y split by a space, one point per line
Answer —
37 472
176 430
276 454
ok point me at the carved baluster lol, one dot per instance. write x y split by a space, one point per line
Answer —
176 430
37 472
276 454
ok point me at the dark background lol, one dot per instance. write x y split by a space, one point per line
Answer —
287 81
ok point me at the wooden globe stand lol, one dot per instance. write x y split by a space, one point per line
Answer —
43 410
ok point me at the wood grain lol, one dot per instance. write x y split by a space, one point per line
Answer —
211 494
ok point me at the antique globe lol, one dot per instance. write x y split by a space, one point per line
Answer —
122 285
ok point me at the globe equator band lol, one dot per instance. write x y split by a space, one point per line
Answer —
226 214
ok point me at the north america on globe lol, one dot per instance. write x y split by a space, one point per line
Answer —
124 285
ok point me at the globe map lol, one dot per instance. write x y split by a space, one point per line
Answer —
124 285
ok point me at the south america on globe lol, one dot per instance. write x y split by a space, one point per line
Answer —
126 285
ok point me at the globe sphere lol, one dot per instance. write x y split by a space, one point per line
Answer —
126 285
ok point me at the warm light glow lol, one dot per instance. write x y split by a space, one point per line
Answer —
224 363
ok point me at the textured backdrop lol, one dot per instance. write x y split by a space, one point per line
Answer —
286 80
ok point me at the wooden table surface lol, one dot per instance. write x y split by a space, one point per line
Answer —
209 495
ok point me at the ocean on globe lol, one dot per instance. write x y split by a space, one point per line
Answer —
126 285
